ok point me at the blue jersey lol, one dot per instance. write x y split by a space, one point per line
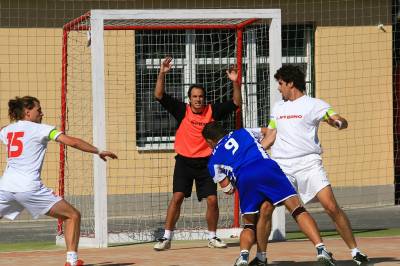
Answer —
240 157
237 149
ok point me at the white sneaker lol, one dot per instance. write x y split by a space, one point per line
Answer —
325 257
241 261
215 242
162 244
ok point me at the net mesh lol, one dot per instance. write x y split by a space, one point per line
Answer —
140 181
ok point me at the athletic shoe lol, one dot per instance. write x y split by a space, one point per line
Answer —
215 242
242 260
257 262
325 257
162 244
360 259
78 263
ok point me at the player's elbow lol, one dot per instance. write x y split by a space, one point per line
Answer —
158 95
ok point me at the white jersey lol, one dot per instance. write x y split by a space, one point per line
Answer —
297 125
26 146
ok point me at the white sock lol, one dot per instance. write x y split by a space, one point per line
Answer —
320 245
212 234
354 251
72 257
168 234
262 256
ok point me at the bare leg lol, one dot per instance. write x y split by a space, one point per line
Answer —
264 226
248 236
342 223
174 210
72 220
212 214
304 220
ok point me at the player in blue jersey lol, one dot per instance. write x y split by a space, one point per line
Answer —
239 161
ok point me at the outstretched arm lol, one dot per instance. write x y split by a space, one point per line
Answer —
160 85
337 121
269 137
233 75
84 146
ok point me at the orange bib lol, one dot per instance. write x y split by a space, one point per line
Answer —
189 141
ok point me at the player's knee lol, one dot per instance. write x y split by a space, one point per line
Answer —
212 201
177 199
251 227
298 211
267 209
332 209
75 215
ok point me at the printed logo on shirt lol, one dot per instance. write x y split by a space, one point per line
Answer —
290 117
197 123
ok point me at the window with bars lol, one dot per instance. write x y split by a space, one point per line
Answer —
202 57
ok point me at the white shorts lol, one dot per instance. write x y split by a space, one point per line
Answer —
306 174
37 202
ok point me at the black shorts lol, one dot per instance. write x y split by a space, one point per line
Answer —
189 169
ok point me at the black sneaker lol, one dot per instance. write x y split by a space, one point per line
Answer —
325 257
257 262
360 259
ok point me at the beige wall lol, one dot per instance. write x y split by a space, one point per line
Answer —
353 73
30 65
353 67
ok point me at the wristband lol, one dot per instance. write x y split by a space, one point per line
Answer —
227 188
338 124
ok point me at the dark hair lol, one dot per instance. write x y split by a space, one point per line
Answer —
17 106
292 73
197 86
213 131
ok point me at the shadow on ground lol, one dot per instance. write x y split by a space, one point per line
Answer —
372 262
111 264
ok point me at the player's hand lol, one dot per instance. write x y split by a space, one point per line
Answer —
231 191
228 189
166 65
104 154
232 73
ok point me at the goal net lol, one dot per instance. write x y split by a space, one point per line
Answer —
111 59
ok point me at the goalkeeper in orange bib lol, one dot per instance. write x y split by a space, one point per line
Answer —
193 152
21 186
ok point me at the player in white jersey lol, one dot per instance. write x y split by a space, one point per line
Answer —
21 186
293 131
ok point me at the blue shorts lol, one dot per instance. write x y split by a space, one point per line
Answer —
260 181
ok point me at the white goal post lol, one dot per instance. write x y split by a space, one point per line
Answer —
97 22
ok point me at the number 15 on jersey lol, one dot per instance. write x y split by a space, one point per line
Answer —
14 144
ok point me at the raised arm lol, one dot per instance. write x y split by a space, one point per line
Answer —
232 73
269 137
84 146
160 85
337 121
